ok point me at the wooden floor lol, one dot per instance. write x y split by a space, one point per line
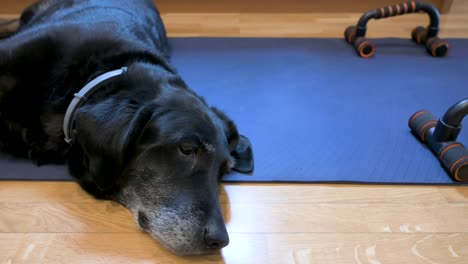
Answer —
51 222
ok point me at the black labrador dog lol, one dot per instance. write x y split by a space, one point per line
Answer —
140 137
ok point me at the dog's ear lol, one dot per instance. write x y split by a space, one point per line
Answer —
105 138
240 146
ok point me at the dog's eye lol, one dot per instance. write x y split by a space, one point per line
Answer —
188 149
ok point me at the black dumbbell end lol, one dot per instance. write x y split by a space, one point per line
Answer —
461 172
420 123
364 47
454 158
350 34
437 47
418 34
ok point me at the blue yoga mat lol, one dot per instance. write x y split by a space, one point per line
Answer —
314 110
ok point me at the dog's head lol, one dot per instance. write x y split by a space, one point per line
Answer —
163 161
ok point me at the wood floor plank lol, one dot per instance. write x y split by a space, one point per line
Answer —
339 193
44 191
243 248
246 218
347 218
263 6
368 248
455 195
65 217
315 25
302 24
118 248
70 192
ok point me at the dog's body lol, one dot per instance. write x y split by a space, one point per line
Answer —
144 139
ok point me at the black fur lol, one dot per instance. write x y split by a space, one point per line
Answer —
62 44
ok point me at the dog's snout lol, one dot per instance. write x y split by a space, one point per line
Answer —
215 237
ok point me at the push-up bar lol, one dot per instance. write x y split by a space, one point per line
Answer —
355 35
441 138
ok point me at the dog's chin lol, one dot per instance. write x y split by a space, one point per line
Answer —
185 251
179 242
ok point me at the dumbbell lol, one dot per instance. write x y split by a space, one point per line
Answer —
355 35
363 46
441 138
435 46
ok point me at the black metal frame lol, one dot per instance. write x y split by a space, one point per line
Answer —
398 10
355 35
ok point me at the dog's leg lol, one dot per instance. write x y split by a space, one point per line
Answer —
28 140
25 62
3 135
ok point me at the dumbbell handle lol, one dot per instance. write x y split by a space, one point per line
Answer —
452 155
449 125
396 10
401 9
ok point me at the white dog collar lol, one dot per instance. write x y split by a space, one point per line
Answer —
82 95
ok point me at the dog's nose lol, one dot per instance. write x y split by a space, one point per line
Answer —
216 238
